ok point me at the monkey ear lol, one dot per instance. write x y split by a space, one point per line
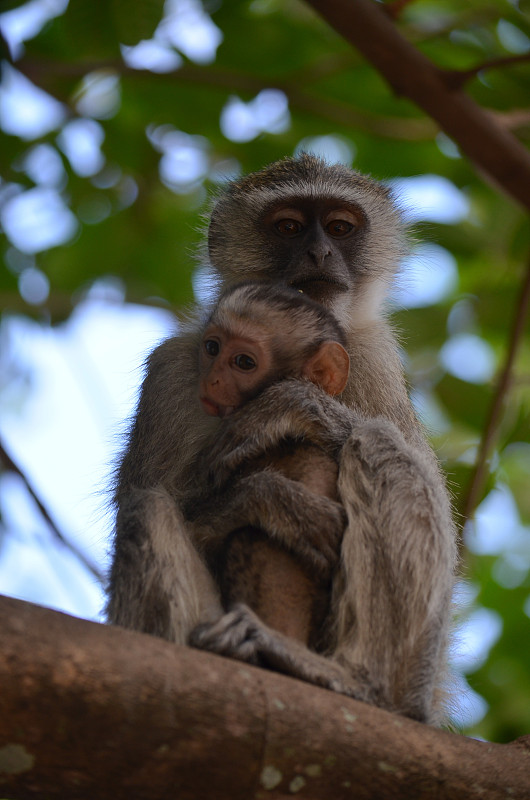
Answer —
329 368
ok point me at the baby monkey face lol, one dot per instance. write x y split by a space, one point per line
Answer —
233 369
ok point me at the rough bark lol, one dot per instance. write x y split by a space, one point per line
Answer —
88 711
492 148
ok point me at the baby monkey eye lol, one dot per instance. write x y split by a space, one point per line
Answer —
339 227
211 347
244 362
288 227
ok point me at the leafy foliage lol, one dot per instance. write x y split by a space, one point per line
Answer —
139 223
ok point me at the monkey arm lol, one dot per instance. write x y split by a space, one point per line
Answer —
307 524
393 587
293 408
159 584
391 592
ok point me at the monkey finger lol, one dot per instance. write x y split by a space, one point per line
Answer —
235 635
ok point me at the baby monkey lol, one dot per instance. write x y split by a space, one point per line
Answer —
257 335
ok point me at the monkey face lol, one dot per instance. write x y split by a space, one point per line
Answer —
324 229
232 369
315 241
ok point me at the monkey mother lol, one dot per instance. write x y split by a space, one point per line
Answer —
338 237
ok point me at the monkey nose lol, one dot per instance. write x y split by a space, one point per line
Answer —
319 255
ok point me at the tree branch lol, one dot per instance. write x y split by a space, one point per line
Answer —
457 78
493 149
504 383
91 711
42 71
9 464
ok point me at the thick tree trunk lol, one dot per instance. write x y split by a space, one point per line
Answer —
88 711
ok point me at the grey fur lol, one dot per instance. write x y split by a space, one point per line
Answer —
391 591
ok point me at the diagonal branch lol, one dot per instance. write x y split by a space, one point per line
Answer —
497 407
9 464
493 149
457 78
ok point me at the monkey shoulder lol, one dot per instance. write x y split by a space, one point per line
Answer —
177 356
169 427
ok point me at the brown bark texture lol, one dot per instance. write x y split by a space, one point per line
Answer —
492 148
90 711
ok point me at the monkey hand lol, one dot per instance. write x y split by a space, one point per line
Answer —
235 634
290 409
302 410
242 635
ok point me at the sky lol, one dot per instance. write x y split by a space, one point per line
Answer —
66 393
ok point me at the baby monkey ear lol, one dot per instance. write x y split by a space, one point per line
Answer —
328 368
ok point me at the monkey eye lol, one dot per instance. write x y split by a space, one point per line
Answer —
211 347
244 362
339 227
288 227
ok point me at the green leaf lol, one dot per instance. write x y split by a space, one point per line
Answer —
135 20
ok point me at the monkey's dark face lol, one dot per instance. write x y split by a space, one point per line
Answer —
313 243
290 223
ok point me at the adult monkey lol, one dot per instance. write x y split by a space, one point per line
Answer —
337 236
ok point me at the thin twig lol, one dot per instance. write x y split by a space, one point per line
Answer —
10 465
455 79
495 413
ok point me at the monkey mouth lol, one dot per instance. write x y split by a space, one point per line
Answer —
319 287
214 410
211 409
